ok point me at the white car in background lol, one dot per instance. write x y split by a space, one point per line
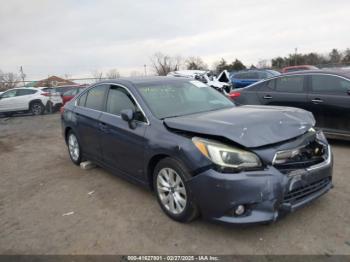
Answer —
206 77
31 100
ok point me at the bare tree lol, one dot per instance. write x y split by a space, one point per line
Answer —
8 80
98 75
195 63
113 74
262 63
163 64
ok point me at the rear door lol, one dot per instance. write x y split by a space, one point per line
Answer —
285 91
329 99
122 146
88 111
23 98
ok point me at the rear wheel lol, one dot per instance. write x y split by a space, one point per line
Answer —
172 192
74 148
37 108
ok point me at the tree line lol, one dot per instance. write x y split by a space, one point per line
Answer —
333 58
162 64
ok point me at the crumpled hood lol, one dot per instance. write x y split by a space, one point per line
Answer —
249 126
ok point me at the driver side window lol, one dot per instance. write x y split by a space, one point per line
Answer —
119 99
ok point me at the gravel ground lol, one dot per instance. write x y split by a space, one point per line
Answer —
50 206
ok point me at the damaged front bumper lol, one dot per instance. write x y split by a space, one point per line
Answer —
266 195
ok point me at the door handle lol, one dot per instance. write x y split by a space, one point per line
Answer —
317 101
267 97
349 92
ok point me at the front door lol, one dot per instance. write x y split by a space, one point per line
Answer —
123 147
8 101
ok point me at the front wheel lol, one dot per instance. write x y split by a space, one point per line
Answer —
173 194
37 108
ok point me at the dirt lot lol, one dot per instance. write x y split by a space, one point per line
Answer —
39 184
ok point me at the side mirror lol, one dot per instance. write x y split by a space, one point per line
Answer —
128 116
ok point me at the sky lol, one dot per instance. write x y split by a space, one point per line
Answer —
79 37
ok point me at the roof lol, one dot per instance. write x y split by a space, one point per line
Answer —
343 73
145 80
299 66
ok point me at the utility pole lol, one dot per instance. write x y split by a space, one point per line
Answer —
145 66
295 56
23 75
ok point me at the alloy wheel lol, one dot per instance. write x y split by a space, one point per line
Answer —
73 146
36 109
171 191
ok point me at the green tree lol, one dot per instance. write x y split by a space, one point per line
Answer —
335 56
346 56
236 66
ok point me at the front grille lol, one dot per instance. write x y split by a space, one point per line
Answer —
301 157
303 192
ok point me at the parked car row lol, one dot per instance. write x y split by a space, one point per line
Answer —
36 100
324 93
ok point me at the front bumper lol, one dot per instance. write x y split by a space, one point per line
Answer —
266 194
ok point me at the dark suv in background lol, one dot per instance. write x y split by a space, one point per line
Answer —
324 93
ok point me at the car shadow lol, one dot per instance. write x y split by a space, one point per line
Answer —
339 143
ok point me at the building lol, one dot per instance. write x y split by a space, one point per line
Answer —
51 81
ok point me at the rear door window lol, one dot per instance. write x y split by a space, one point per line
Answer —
95 97
290 84
24 92
329 84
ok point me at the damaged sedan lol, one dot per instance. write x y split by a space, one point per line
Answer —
198 152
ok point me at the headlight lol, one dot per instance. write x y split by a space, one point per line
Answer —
320 136
226 156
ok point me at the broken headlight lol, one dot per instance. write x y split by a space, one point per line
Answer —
227 156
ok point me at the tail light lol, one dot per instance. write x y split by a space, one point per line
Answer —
62 110
45 94
234 95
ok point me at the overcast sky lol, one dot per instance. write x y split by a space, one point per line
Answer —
77 37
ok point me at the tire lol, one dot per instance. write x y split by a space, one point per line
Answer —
74 148
172 191
37 108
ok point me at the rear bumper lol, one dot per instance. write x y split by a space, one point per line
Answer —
266 194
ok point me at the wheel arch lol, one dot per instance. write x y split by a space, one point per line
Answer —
66 131
152 163
35 101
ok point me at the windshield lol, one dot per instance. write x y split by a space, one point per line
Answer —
182 98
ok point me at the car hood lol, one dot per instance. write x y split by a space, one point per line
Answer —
249 126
